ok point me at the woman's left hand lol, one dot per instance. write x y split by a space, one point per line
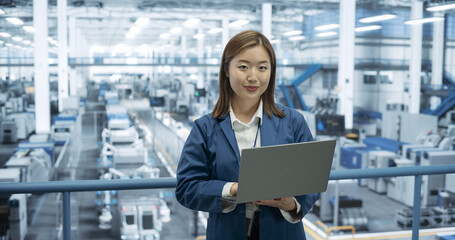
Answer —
286 204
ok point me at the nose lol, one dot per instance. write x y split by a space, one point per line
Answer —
252 76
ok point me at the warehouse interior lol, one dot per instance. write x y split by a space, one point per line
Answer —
110 89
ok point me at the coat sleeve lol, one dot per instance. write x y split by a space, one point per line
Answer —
303 134
195 188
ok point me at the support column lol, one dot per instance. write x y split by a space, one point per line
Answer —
415 61
225 34
437 57
346 61
200 56
42 106
267 20
72 45
62 54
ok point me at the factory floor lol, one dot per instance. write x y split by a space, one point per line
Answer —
45 210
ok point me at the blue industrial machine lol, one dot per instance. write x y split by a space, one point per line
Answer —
292 93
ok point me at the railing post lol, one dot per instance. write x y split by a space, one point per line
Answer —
416 208
66 216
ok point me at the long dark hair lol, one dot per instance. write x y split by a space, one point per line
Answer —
238 43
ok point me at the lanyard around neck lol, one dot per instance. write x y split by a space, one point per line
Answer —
257 132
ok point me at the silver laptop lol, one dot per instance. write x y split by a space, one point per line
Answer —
284 170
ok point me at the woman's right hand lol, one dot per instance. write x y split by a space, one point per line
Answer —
233 190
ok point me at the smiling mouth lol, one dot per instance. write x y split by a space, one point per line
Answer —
251 89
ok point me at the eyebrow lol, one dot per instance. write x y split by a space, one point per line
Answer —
246 61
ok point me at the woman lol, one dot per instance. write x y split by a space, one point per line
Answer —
245 116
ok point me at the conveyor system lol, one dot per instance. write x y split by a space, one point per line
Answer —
62 127
118 121
126 154
129 135
384 144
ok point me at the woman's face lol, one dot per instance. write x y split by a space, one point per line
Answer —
249 74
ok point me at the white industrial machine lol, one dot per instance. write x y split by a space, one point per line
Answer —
17 216
8 131
379 159
450 183
25 123
129 135
432 183
138 218
34 165
62 127
401 189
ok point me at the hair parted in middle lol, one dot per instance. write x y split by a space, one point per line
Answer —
241 41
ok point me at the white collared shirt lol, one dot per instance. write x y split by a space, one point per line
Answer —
245 135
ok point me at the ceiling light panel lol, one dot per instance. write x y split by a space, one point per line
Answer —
239 23
423 20
29 29
297 38
5 34
15 21
192 22
215 30
326 27
378 18
441 7
176 30
293 33
368 28
142 22
326 34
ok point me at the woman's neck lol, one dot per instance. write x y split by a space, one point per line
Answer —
244 110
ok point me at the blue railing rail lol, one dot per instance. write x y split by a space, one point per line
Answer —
66 187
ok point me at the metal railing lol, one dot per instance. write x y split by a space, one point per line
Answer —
66 187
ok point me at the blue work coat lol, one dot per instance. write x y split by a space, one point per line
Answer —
210 159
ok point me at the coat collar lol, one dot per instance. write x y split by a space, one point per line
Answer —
226 126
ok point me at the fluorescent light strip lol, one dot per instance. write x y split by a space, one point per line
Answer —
293 33
326 27
135 30
191 22
367 28
215 30
142 21
28 42
274 41
15 21
377 18
1 42
176 30
326 34
441 7
199 36
2 11
130 35
423 20
29 29
165 35
238 23
17 39
297 38
5 34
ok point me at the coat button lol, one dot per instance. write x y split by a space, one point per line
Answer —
242 212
